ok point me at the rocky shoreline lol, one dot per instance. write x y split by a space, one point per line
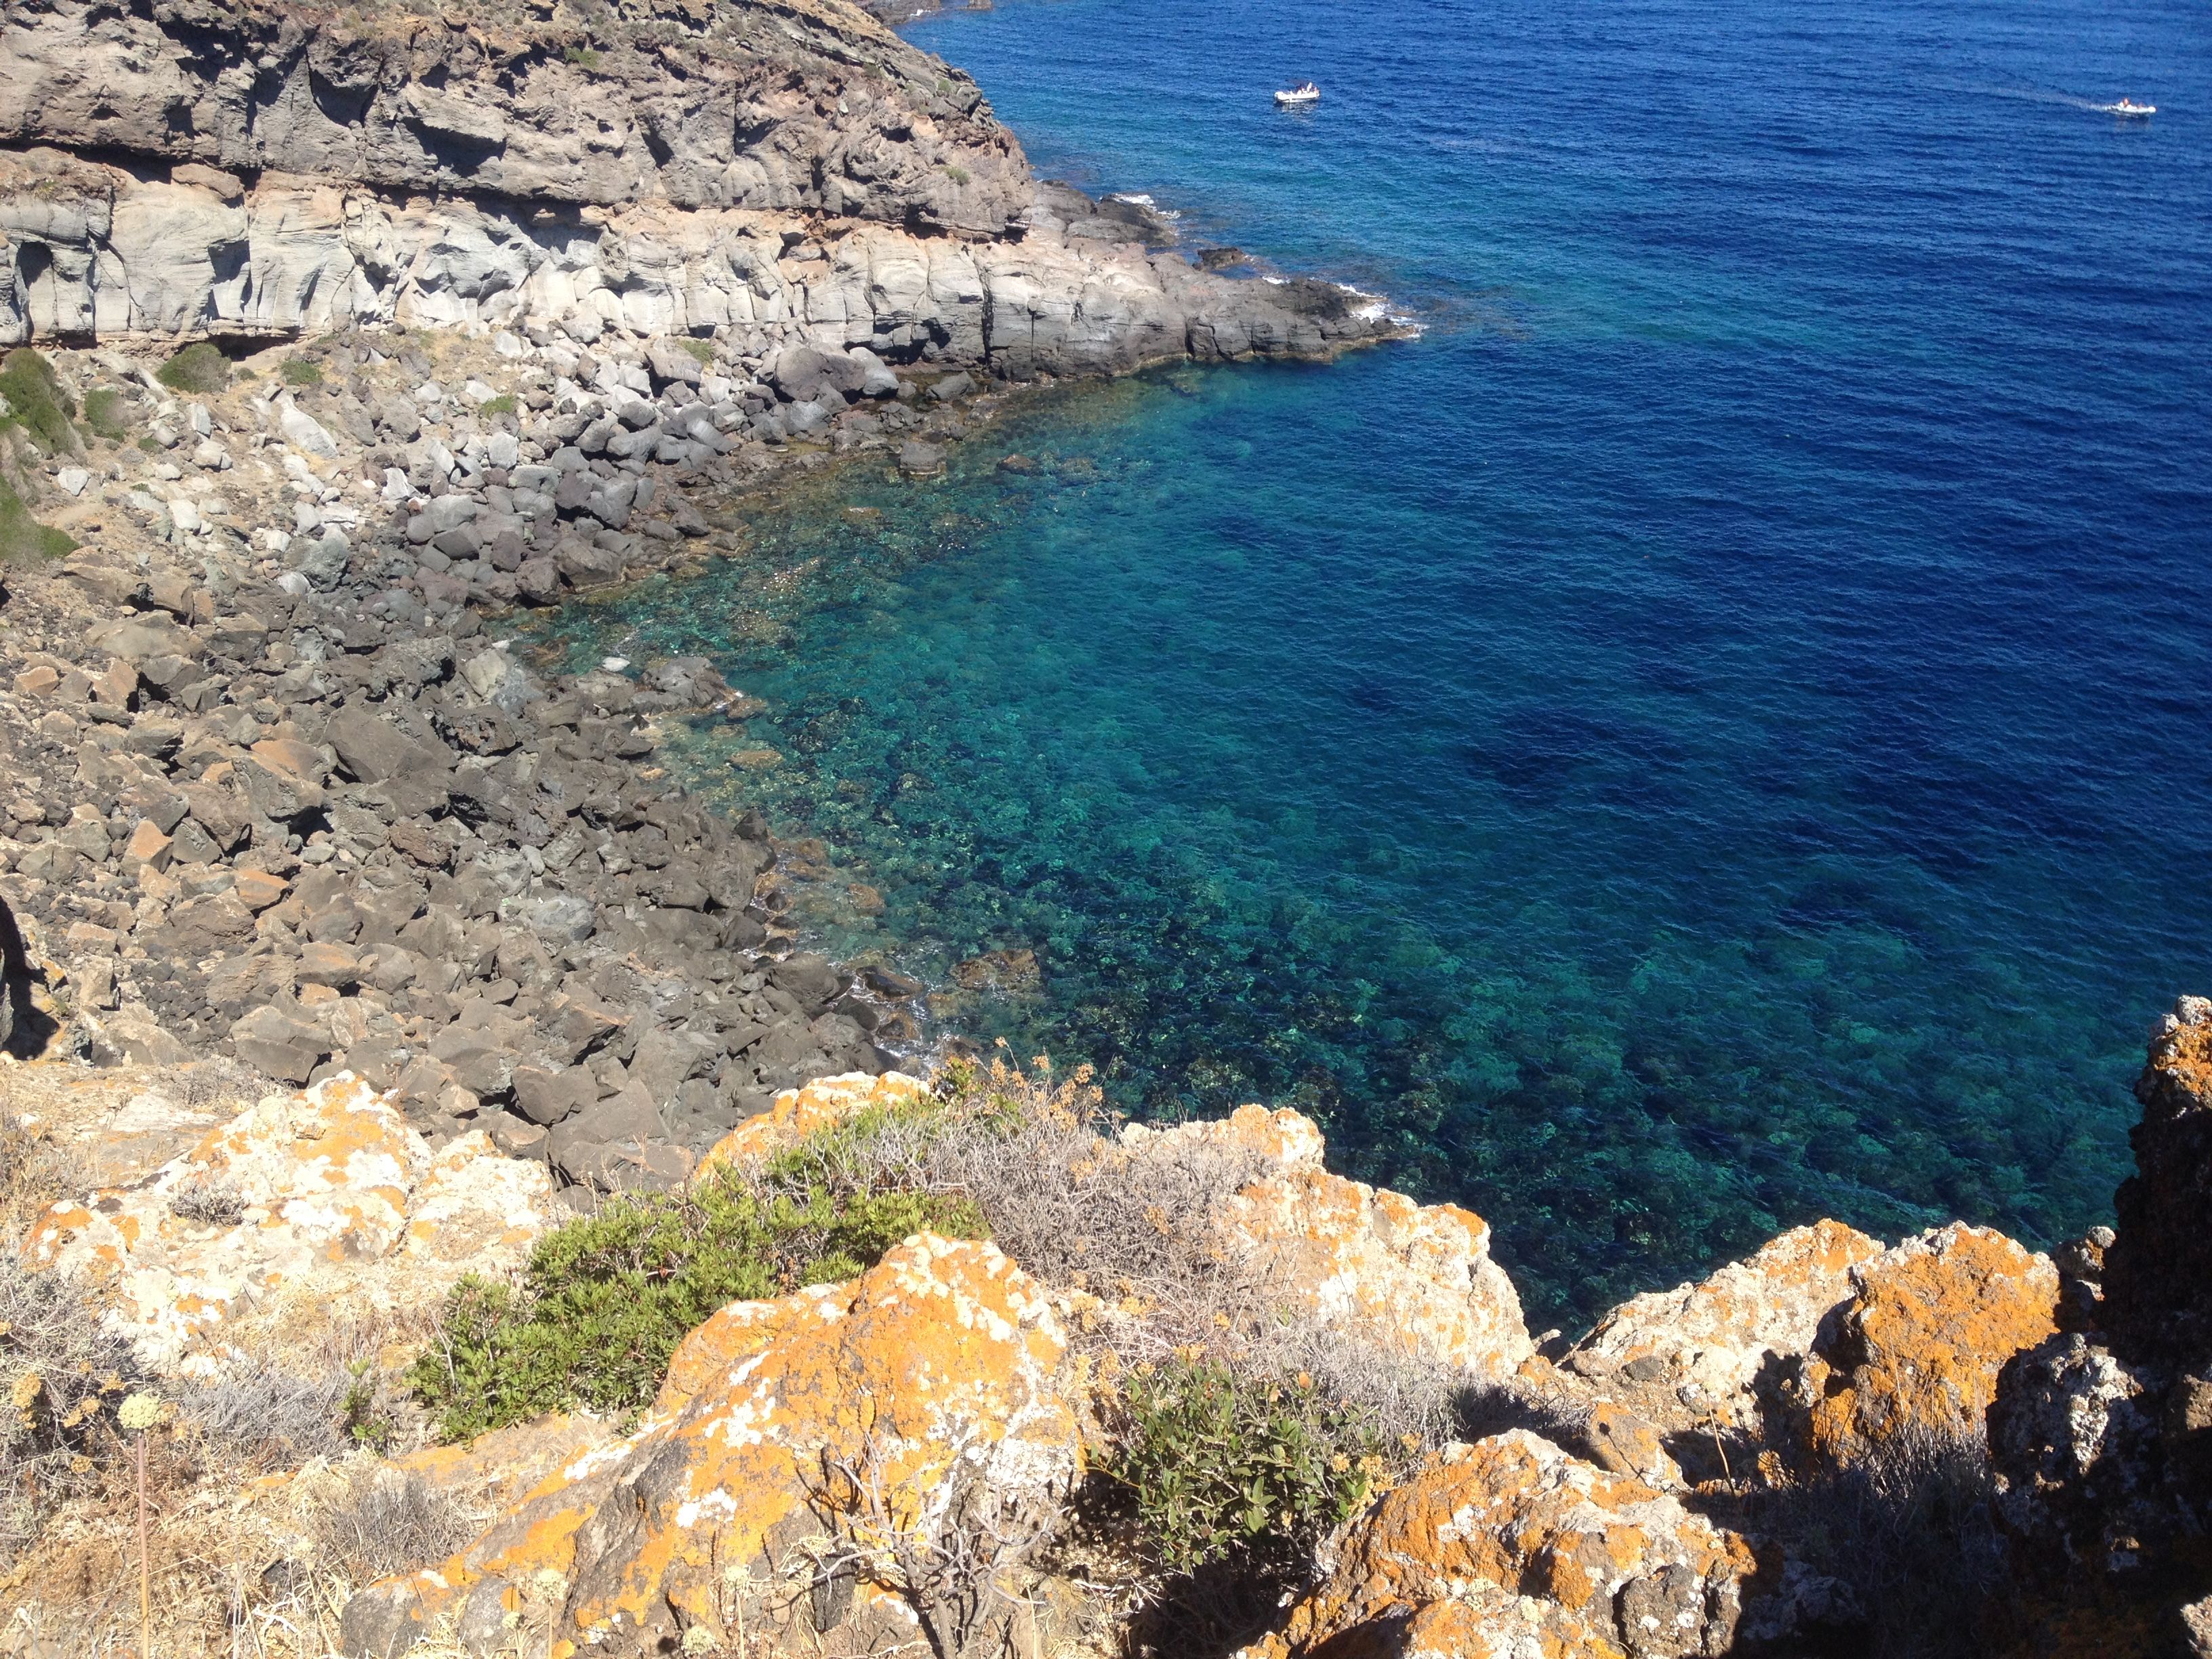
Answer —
276 791
283 794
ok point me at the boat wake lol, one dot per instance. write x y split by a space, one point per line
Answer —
2065 100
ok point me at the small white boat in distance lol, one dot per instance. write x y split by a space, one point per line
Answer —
1306 93
2125 106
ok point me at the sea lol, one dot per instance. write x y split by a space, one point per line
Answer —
1715 732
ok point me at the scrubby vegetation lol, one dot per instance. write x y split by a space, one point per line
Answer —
702 351
65 1378
605 1299
38 402
200 368
1255 1472
505 403
107 413
22 537
301 371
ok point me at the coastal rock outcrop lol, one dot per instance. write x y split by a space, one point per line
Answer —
1509 1546
2100 1436
772 175
307 1194
1404 1276
867 1459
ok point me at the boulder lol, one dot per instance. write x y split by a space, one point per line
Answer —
1509 1546
805 373
1715 1337
929 1400
1918 1346
304 1194
374 750
813 981
280 1042
1409 1278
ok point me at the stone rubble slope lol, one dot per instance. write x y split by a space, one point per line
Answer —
325 1193
271 790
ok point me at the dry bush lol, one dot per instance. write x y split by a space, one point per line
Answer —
383 1522
262 1416
1141 1226
1907 1531
64 1376
32 1174
212 1202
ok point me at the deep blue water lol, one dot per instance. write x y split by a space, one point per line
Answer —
1715 733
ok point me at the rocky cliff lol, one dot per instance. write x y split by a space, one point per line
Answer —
1949 1446
765 174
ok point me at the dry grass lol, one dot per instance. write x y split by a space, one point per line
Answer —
64 1376
383 1522
1907 1534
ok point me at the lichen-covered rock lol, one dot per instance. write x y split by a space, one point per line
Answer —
2158 1272
1713 1338
1414 1277
325 1193
1510 1547
1930 1325
798 1112
2074 1434
803 1449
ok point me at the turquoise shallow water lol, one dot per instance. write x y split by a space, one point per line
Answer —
1712 734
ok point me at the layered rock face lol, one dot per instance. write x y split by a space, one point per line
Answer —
808 106
795 173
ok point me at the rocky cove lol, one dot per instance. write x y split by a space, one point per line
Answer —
348 955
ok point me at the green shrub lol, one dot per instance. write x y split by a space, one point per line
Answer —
703 351
37 401
958 173
582 57
22 537
302 371
107 414
605 1299
502 404
1254 1472
200 368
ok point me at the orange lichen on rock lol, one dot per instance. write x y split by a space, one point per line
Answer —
302 1193
1930 1325
1717 1334
1410 1277
928 1394
1510 1546
1283 1136
798 1112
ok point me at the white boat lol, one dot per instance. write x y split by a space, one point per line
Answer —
1307 93
2125 106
